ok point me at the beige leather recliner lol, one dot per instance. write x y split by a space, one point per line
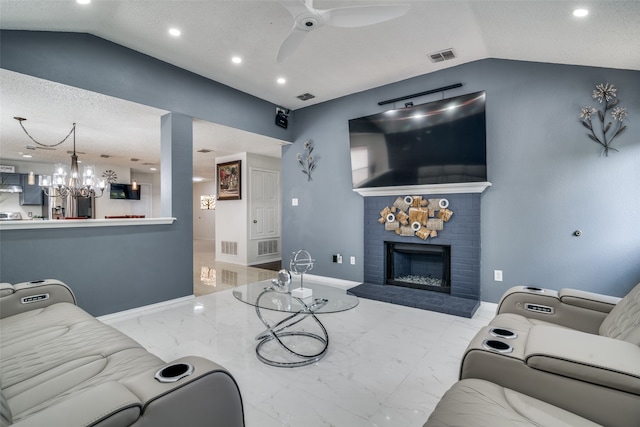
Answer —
479 403
59 366
589 367
568 358
522 307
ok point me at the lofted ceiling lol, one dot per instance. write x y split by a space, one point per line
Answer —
331 62
108 130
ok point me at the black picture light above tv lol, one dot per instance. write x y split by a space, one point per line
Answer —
123 191
440 142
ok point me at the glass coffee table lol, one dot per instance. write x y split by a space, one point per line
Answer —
325 299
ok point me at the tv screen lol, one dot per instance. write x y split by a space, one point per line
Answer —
123 191
435 143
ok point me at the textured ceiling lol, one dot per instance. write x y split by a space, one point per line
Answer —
108 126
334 62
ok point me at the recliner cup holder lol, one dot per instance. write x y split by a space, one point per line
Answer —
174 372
503 333
534 289
495 345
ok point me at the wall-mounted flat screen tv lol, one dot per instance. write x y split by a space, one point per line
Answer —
123 191
439 142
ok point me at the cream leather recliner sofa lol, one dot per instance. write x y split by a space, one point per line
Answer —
575 361
479 403
62 367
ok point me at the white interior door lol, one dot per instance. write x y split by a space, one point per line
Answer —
265 204
142 206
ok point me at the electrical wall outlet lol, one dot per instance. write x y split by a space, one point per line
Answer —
294 202
353 260
497 275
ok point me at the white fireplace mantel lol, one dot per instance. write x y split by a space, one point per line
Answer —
457 188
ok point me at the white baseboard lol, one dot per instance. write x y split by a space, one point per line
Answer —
134 312
338 283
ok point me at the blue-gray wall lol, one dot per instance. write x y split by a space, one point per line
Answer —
548 178
95 64
117 268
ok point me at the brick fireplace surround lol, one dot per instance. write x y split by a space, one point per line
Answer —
462 232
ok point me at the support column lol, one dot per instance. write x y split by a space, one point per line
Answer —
176 189
176 161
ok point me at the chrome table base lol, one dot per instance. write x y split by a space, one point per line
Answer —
277 331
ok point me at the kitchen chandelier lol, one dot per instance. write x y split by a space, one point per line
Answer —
85 185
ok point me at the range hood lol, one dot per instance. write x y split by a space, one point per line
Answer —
8 188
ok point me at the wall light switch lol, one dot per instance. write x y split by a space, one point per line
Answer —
294 202
497 275
339 259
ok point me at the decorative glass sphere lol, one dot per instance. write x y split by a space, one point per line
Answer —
301 262
282 283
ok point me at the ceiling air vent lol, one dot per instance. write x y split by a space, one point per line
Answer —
204 150
443 55
105 156
305 97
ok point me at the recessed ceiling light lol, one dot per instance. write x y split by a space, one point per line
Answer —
174 32
236 60
83 1
197 179
580 13
153 169
27 156
281 80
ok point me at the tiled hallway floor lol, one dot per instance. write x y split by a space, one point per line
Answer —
211 276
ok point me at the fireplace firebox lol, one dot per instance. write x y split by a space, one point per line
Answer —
419 266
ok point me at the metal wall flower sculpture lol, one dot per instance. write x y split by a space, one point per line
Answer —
306 160
606 133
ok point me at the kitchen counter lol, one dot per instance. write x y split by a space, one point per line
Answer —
29 224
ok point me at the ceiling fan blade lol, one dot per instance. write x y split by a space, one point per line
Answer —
361 16
295 7
291 43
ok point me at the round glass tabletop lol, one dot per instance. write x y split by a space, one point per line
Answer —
260 294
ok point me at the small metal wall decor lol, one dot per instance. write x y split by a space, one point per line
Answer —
414 216
604 134
110 176
306 160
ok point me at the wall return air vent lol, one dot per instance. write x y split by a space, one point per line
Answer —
443 55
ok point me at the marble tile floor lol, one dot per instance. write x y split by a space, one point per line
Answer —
387 365
211 276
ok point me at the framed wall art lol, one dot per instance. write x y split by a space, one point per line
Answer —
229 180
208 202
